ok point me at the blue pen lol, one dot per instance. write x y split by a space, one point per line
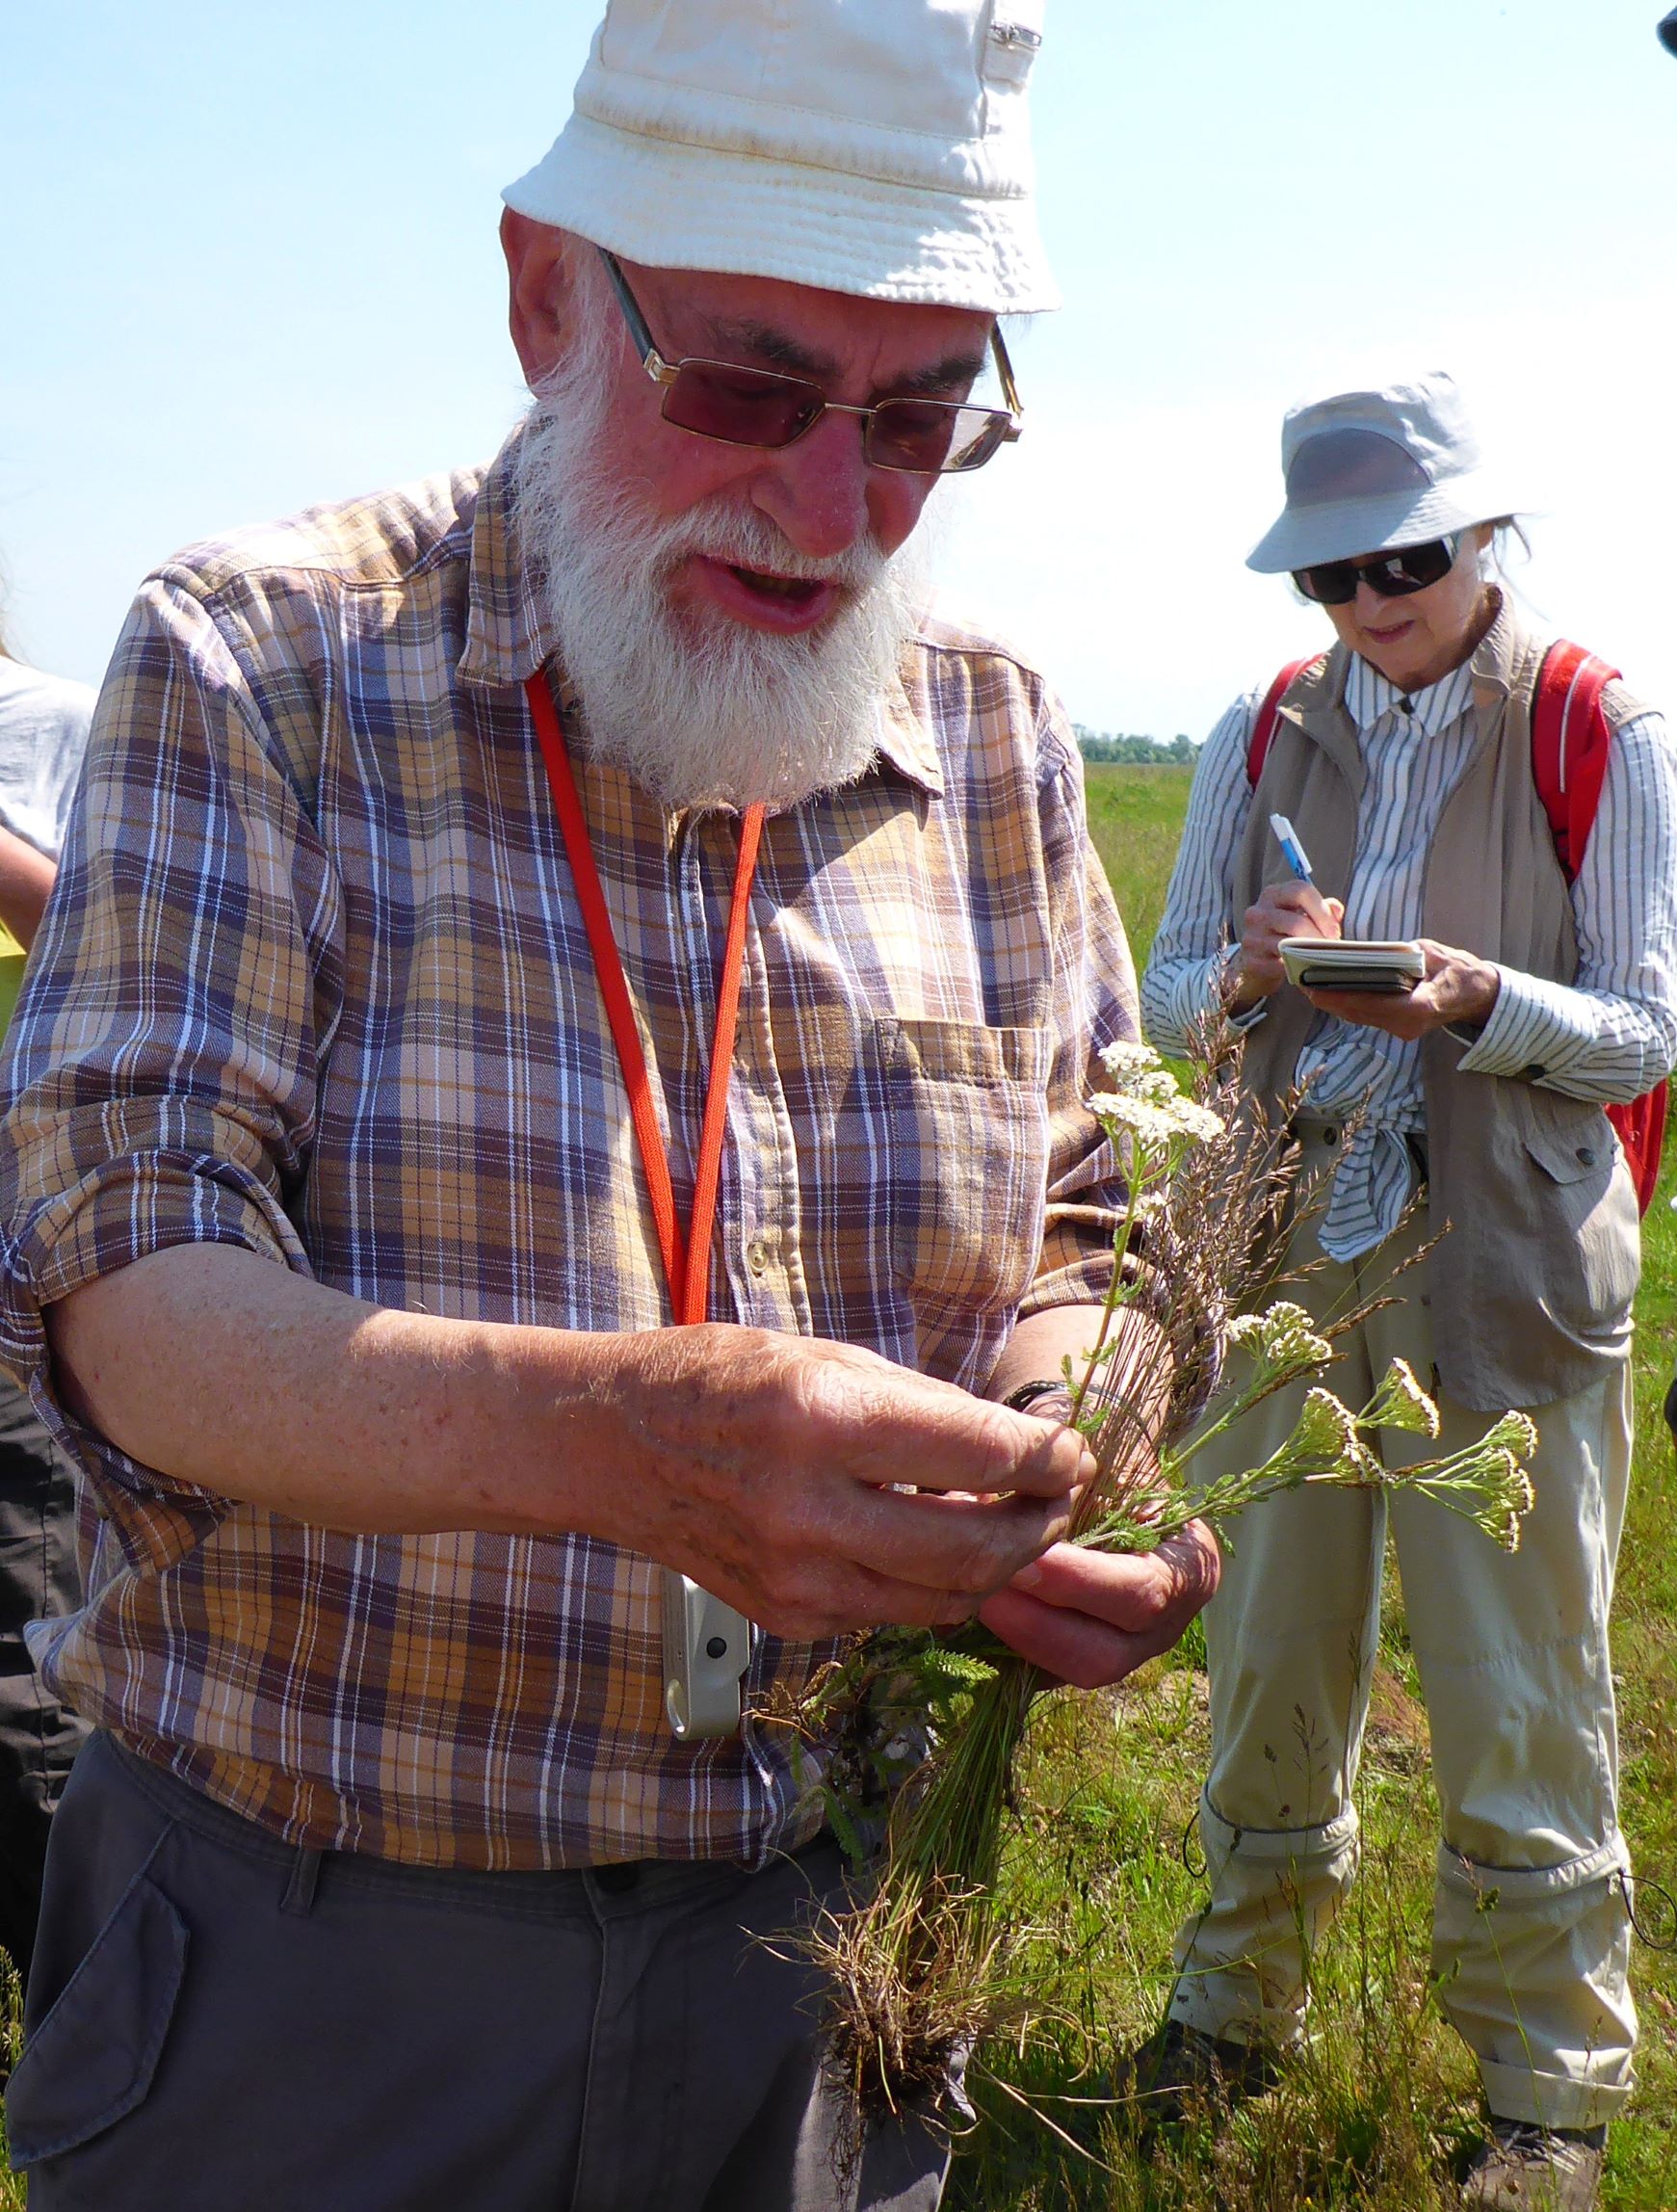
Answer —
1292 851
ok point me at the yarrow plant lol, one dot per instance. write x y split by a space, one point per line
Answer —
923 1968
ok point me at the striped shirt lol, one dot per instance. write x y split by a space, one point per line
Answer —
316 983
1610 1035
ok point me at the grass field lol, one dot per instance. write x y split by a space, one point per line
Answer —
1384 2098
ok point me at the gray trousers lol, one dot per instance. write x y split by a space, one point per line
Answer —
218 2019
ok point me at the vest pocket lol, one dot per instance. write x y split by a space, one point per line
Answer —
1585 1190
1585 1147
91 2059
967 1125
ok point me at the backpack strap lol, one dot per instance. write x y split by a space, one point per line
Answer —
1571 739
1268 713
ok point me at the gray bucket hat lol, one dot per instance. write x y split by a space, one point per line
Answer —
1369 471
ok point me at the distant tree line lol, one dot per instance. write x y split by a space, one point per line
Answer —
1179 752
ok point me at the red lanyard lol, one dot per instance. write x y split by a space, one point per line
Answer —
685 1265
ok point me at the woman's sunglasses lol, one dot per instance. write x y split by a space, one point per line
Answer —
1392 575
756 407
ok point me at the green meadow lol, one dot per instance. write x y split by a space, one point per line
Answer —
1381 2107
1103 1866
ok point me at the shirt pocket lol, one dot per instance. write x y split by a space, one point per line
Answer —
967 1125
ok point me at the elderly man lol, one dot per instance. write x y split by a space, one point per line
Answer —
507 916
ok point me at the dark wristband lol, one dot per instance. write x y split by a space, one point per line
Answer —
1027 1394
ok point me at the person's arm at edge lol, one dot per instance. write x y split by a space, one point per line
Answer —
26 880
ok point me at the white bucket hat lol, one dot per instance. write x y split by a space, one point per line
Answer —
1369 471
872 147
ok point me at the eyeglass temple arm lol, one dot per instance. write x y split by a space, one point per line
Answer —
1009 389
651 359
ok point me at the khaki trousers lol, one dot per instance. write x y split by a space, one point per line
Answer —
1530 1927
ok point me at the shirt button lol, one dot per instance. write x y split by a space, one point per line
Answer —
757 1256
1587 1153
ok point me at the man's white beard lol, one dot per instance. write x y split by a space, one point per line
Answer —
705 711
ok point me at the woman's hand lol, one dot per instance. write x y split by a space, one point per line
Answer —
1283 911
1457 989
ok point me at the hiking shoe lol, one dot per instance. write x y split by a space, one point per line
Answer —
1528 2169
1181 2067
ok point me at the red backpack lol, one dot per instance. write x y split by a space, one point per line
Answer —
1571 738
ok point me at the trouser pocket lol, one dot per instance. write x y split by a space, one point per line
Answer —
91 2059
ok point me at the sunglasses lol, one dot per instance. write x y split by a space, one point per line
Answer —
1392 575
738 405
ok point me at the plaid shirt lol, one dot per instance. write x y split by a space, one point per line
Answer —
315 984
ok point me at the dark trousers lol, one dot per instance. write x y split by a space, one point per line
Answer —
38 1737
217 2020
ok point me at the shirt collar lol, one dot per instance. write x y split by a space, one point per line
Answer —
1369 695
509 637
906 727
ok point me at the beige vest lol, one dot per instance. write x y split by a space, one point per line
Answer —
1531 1289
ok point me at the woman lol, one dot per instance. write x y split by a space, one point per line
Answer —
1403 760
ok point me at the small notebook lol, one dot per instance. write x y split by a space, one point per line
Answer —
1352 964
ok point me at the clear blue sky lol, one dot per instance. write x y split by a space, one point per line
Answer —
251 263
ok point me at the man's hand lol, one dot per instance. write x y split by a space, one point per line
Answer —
771 1468
1091 1618
1457 989
1289 910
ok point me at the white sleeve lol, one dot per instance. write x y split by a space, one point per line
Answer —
1195 933
42 738
1611 1034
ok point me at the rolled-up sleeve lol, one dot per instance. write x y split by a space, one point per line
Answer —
158 1083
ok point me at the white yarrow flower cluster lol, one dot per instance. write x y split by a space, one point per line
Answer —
1125 1061
1147 1101
1324 1434
1486 1486
1284 1338
1514 1432
1400 1402
1155 1124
